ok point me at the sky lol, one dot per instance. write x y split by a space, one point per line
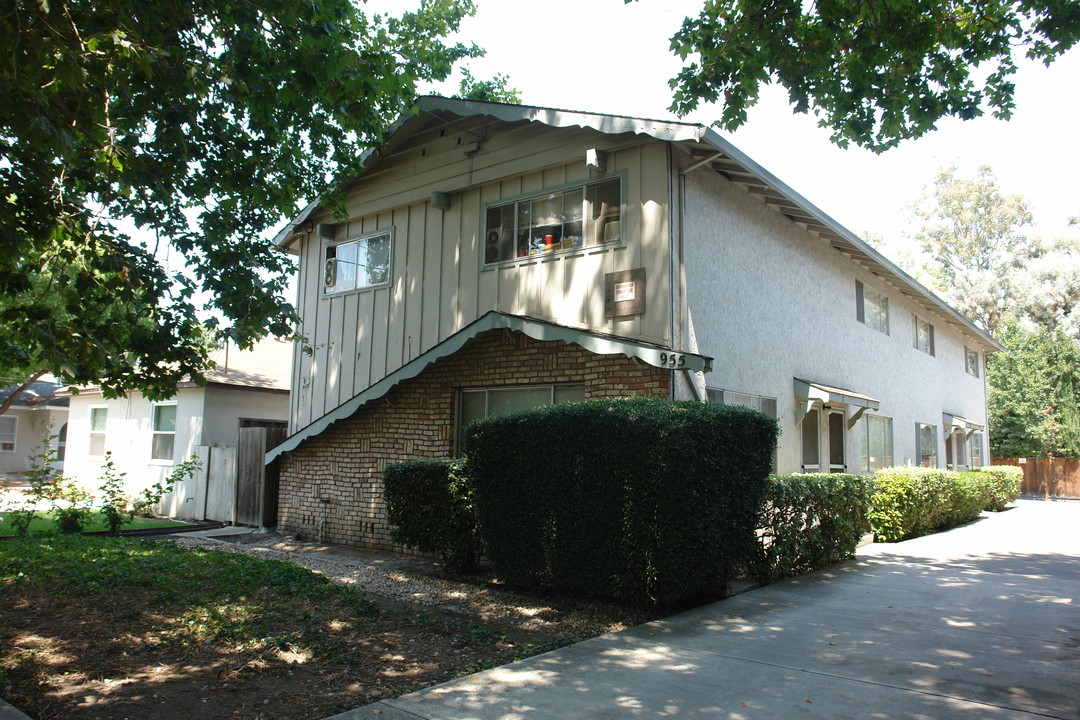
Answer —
609 57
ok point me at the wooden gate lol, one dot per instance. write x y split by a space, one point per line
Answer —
256 485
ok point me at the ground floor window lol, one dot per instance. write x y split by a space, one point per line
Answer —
975 450
480 403
99 417
874 437
762 403
164 432
926 444
8 433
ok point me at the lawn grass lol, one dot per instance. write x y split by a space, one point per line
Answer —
44 524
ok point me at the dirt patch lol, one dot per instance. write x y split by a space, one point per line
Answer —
133 658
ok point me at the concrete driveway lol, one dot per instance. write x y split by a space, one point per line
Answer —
979 622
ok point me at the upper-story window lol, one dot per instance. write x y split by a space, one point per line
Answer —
971 361
922 335
357 263
871 308
563 218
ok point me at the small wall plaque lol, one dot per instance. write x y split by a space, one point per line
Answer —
624 293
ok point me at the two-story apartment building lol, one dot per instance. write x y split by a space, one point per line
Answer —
496 257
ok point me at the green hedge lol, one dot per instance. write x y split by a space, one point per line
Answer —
1004 481
809 522
430 506
647 501
909 502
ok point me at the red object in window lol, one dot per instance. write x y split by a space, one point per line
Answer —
548 240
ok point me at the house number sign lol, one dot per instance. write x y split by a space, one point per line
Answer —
672 360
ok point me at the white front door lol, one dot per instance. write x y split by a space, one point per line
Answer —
824 440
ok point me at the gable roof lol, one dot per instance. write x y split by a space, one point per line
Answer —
266 366
708 149
591 340
36 395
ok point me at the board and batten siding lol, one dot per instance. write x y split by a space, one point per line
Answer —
438 282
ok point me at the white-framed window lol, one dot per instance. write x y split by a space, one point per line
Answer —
9 432
922 335
926 445
163 431
99 417
483 402
956 448
971 361
357 263
975 450
874 437
762 403
871 308
564 218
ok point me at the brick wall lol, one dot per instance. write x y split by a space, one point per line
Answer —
331 486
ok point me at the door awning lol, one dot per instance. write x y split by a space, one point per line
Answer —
808 394
954 423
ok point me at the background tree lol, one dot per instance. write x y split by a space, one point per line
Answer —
495 90
875 71
201 123
972 234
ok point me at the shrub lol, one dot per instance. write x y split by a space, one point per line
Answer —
1004 485
71 507
430 506
809 522
644 500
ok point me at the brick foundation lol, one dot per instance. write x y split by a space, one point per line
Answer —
331 485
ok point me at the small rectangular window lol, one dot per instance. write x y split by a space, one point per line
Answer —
971 361
98 419
357 263
871 308
568 218
164 432
926 444
875 439
8 433
923 335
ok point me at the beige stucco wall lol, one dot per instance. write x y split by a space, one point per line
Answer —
225 407
439 283
771 302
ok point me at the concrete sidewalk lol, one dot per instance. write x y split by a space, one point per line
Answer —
979 622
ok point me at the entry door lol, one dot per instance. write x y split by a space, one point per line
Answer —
824 440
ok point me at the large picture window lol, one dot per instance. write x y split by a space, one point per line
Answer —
164 432
875 439
357 263
477 404
926 444
871 308
98 418
8 432
566 218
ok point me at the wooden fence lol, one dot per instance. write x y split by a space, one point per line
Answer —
1047 477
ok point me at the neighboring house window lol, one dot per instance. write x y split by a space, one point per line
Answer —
357 263
8 432
164 432
926 444
923 335
476 404
956 451
61 443
98 418
975 450
971 361
871 308
564 218
875 438
761 403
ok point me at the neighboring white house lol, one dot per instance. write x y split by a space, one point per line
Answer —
147 438
500 256
36 417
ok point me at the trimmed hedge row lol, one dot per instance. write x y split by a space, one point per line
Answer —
429 503
642 500
809 522
909 502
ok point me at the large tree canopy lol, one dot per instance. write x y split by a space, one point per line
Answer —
875 71
200 122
